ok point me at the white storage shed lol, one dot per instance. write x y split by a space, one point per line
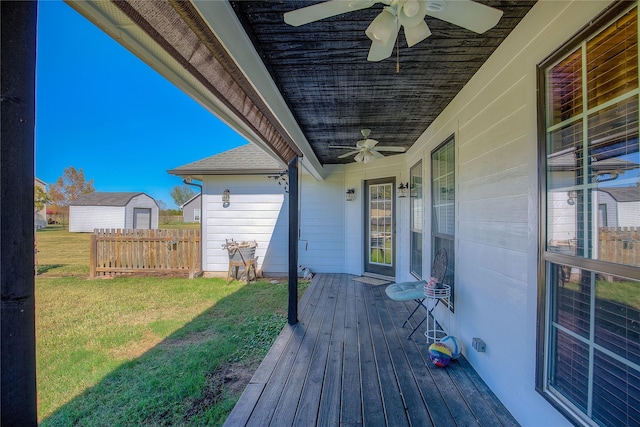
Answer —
113 210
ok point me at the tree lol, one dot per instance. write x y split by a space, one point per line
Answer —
69 186
181 193
40 198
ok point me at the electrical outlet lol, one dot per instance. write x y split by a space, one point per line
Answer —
479 345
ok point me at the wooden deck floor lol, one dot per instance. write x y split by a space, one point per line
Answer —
348 362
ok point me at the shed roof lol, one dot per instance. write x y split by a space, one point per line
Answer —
247 159
623 194
104 199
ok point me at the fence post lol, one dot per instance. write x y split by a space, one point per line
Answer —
190 259
92 255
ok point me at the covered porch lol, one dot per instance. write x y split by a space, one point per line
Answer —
348 362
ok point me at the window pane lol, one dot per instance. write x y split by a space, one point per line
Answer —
443 207
416 254
571 300
613 142
416 208
617 317
380 234
448 245
612 61
564 82
599 340
415 197
616 392
563 147
570 370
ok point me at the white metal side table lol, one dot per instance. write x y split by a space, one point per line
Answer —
433 296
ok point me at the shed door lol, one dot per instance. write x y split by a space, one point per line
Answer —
142 218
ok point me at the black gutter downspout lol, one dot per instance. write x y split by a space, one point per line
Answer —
187 181
18 405
293 241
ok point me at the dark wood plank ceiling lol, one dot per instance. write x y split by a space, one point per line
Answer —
322 71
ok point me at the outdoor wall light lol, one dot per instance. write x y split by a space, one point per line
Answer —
226 197
403 189
350 194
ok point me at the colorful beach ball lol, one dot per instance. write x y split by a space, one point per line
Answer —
453 344
439 354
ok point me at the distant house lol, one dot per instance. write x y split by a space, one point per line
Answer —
113 210
618 207
192 209
40 215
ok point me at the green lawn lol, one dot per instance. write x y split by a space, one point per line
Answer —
146 350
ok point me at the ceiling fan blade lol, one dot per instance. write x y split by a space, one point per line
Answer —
417 33
324 10
342 146
465 13
350 153
376 155
394 149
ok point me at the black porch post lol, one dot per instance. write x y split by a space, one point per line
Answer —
17 121
293 241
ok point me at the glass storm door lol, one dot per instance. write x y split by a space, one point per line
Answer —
380 227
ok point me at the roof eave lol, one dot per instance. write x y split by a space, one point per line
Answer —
228 29
205 172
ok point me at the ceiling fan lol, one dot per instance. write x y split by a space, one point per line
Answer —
366 150
383 30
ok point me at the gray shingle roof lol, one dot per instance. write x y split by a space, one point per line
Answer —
104 199
245 160
623 194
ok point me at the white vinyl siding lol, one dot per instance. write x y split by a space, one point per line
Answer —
84 219
322 222
257 211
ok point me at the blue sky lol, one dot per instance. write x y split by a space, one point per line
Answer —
100 108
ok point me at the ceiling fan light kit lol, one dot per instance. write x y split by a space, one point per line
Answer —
382 27
411 12
366 150
383 30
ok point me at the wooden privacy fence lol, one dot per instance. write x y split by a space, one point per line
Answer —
620 245
125 251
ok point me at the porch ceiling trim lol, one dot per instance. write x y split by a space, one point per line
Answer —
181 32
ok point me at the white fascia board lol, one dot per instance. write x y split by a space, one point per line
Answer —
118 26
224 23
